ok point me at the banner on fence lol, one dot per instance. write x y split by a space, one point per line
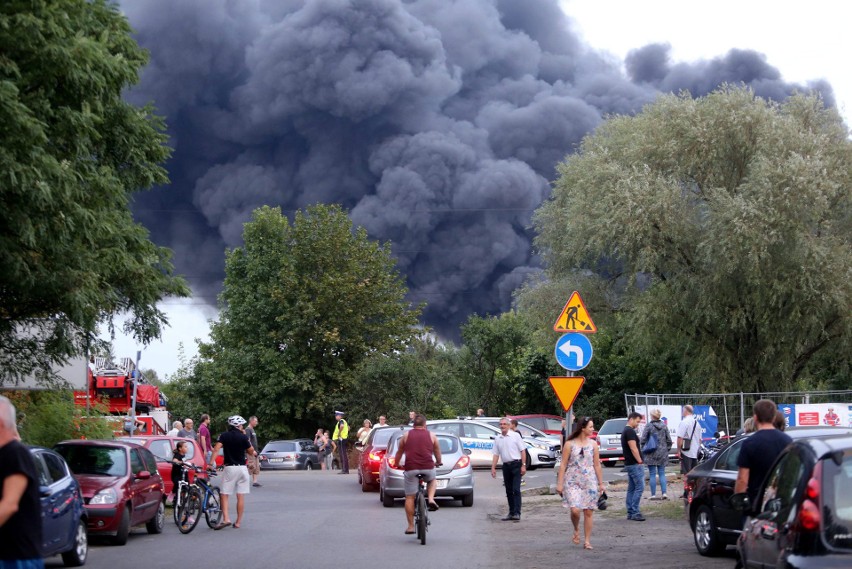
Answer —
671 415
817 414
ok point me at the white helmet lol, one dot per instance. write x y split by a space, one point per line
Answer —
236 421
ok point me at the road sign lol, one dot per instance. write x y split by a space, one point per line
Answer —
575 317
573 351
567 389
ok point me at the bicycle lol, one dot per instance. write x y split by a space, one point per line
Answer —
202 498
421 516
181 492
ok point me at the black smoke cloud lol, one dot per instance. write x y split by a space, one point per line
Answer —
437 123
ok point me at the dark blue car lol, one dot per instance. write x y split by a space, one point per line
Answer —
62 512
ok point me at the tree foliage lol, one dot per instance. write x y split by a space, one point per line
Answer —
48 417
730 218
303 306
72 152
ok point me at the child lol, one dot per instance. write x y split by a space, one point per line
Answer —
177 470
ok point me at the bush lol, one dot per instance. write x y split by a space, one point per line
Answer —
47 417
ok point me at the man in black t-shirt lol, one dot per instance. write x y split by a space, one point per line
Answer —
235 478
633 466
759 450
20 508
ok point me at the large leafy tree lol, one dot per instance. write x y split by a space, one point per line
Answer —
72 152
730 216
304 305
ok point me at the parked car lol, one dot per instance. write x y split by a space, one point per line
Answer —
371 457
295 454
120 484
550 424
478 437
454 476
63 514
804 509
527 431
162 447
609 440
714 521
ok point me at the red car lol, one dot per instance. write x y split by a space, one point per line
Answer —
550 424
371 457
162 447
120 485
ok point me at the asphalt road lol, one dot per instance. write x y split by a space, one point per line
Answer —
315 519
323 520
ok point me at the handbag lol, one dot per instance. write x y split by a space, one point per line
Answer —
687 443
602 501
650 444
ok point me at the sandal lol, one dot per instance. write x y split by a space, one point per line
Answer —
409 532
576 538
587 545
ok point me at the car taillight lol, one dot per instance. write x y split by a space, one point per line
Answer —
689 489
376 456
809 518
392 464
462 462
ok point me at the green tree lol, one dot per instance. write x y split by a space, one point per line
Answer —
48 417
72 152
730 216
303 305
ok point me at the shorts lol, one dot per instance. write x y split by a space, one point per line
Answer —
236 480
411 481
253 465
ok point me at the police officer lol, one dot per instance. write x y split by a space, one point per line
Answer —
341 433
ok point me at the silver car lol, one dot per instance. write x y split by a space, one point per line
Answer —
455 476
295 454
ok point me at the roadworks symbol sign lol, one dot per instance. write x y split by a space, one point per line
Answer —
575 317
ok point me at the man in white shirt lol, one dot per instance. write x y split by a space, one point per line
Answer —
511 449
688 429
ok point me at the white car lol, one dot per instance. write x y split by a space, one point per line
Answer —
478 437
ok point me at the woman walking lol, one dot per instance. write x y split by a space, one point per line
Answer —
657 458
581 465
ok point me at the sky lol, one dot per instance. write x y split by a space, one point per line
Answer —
465 94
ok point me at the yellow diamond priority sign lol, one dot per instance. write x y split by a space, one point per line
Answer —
567 389
575 317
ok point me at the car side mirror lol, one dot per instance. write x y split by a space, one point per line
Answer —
143 475
772 506
467 451
740 502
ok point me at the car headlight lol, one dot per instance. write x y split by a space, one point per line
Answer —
540 446
105 496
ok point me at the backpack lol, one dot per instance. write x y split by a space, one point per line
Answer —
650 444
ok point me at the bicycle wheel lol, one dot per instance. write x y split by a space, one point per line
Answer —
422 519
213 508
189 513
180 499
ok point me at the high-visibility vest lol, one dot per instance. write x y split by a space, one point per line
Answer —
341 430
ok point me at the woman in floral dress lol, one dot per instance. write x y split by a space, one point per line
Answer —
582 465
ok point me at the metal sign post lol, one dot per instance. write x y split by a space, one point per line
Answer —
135 376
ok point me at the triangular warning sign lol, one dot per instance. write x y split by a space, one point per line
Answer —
575 317
567 389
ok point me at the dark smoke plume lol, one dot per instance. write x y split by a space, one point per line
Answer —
438 123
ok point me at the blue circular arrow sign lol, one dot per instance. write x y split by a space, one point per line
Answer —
573 351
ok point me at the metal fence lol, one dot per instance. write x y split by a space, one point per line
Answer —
733 409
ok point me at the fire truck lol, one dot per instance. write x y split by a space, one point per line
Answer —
111 385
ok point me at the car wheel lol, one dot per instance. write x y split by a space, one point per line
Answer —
155 524
77 555
707 541
467 501
120 537
387 501
366 486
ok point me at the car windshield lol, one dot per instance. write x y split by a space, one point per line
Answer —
382 436
552 424
613 427
96 460
837 488
279 446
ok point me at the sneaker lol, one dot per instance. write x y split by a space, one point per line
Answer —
507 519
654 498
637 518
665 497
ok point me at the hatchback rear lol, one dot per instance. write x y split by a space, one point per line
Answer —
372 453
455 476
609 439
296 454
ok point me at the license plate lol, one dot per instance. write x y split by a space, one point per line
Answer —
276 460
442 484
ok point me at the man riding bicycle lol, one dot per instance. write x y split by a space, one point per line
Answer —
418 445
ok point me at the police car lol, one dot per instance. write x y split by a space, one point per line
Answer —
478 436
